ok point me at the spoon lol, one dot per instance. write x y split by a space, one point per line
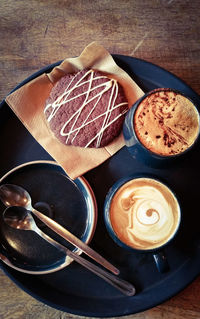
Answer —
13 195
20 218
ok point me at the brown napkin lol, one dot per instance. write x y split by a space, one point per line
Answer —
28 104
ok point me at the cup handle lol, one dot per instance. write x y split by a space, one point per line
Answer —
161 261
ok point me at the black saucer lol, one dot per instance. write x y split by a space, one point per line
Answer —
70 203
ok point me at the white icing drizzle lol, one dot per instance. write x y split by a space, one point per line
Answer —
63 99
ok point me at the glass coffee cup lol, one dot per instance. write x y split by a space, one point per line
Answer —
142 214
161 127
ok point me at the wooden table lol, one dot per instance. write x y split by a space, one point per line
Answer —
36 33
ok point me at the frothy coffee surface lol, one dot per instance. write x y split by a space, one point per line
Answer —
167 123
144 213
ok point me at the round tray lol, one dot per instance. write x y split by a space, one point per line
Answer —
76 290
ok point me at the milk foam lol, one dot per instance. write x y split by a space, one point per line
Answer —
167 123
144 213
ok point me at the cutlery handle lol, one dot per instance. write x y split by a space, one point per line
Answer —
125 287
122 285
63 232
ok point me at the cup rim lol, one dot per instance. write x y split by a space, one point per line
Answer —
112 191
151 153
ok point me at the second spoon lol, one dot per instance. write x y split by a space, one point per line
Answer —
20 218
14 195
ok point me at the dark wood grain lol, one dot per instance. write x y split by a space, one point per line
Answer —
36 33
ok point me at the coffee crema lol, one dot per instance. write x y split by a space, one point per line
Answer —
166 122
144 214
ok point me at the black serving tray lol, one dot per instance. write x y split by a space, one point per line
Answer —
76 290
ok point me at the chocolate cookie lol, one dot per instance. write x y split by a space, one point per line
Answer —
86 109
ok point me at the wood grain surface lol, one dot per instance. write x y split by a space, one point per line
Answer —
36 33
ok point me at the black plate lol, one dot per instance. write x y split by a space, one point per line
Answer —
75 289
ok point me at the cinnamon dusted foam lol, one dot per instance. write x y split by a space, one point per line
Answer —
166 122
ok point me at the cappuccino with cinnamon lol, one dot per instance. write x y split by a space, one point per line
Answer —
166 122
144 214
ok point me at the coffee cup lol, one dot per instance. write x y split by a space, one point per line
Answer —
142 214
161 127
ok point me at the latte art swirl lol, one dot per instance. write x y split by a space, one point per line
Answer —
144 213
149 217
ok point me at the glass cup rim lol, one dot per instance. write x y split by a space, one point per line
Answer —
113 190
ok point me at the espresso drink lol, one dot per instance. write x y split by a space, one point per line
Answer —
144 214
166 122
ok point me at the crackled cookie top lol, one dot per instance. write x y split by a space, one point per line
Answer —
86 109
